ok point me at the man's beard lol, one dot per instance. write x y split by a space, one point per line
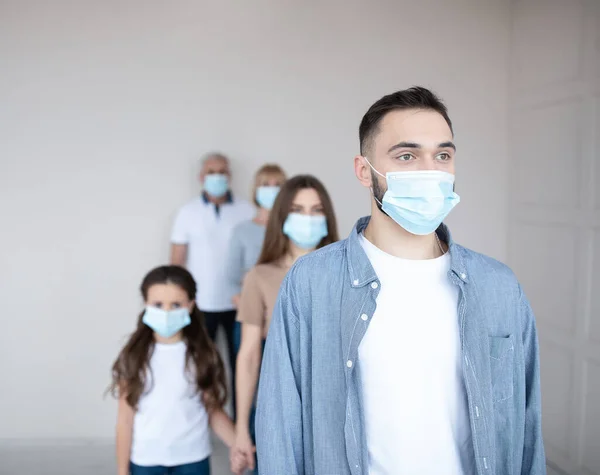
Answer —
377 192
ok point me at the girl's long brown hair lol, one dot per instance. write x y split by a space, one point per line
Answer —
131 369
276 244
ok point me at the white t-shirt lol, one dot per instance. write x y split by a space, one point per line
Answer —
415 403
207 234
171 424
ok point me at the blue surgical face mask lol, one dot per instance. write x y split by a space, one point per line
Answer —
166 323
304 230
216 184
418 200
265 196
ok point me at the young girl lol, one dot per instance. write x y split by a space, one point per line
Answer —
302 220
170 383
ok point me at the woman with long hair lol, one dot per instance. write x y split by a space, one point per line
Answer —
302 220
170 383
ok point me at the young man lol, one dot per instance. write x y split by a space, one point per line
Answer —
397 351
200 240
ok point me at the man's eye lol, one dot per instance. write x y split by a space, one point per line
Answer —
158 304
405 157
444 156
176 305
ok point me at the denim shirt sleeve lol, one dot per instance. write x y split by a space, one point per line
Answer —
279 441
534 459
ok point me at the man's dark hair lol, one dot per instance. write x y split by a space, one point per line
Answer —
413 98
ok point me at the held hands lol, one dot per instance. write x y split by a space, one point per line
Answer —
242 453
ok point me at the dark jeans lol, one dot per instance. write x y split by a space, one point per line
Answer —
227 321
196 468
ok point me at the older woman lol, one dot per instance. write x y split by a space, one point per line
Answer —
247 238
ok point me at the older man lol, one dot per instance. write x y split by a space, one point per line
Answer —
200 240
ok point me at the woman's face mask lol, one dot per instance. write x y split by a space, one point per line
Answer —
266 195
306 231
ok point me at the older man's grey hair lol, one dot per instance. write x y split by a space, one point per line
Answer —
212 156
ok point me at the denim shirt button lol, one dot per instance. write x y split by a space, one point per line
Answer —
364 316
374 285
349 363
463 276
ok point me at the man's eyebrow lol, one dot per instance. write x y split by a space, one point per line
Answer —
404 145
418 146
447 145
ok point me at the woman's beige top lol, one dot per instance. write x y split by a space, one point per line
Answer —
259 294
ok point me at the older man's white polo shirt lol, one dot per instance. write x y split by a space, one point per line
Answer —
206 233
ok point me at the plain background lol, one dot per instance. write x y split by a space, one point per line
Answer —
107 107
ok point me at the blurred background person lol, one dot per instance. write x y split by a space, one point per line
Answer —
302 220
200 240
247 238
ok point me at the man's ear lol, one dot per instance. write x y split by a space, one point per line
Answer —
362 170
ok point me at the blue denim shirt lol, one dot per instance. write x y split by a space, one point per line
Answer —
310 417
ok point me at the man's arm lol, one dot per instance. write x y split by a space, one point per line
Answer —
179 239
179 254
279 412
534 458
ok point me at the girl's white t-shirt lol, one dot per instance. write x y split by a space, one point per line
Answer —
171 424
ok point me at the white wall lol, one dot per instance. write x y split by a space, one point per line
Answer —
554 210
106 107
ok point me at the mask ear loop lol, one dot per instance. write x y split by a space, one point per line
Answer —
371 188
380 174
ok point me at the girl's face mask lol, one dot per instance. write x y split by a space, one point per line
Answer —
166 323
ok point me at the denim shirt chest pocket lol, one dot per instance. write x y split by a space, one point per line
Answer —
502 352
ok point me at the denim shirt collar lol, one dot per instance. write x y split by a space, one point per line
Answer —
362 273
